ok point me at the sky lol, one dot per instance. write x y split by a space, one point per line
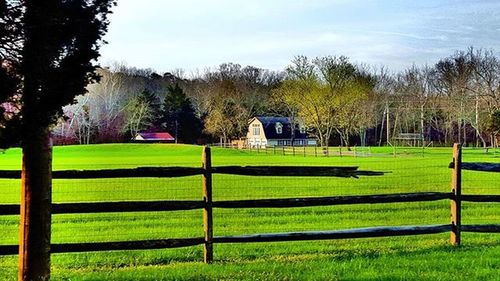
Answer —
196 34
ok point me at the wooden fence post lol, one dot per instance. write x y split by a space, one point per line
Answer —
456 189
315 151
304 151
207 211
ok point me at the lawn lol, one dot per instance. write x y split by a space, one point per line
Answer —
426 257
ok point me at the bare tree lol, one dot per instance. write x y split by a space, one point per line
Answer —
453 79
415 92
487 90
138 115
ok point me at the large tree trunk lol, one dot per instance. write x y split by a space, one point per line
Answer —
36 197
346 141
344 137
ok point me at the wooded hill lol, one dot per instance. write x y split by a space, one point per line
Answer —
455 100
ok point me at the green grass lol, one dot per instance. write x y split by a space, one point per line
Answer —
426 257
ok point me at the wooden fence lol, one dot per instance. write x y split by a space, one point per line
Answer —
339 151
207 204
314 151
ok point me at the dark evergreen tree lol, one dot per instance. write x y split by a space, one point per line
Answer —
179 117
49 45
149 97
10 81
493 123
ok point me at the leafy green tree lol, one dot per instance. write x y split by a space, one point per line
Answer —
49 46
329 94
218 121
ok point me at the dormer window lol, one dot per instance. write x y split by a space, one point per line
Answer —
279 128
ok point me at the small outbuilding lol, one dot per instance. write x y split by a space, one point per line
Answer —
154 137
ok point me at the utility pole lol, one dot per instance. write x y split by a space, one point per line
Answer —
176 130
382 128
477 120
422 131
388 122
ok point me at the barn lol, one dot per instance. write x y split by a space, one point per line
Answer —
276 131
154 137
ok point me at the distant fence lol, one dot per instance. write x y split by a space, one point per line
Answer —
352 151
207 205
315 151
300 150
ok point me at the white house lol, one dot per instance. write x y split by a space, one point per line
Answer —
276 131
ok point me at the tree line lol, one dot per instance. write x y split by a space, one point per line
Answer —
340 102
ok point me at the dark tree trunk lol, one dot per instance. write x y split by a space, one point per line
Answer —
36 196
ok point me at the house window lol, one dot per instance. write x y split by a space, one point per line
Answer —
302 129
256 129
279 128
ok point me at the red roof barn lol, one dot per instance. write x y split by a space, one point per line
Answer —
154 137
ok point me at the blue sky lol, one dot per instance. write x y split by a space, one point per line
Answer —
195 34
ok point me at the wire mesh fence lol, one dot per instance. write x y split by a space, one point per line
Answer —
363 151
406 173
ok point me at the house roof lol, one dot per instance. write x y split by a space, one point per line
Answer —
163 136
269 126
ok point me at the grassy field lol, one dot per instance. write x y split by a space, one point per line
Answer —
427 257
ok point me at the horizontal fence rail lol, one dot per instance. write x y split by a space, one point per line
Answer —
337 234
488 228
112 246
481 198
479 166
6 250
126 245
271 237
10 209
336 200
112 207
